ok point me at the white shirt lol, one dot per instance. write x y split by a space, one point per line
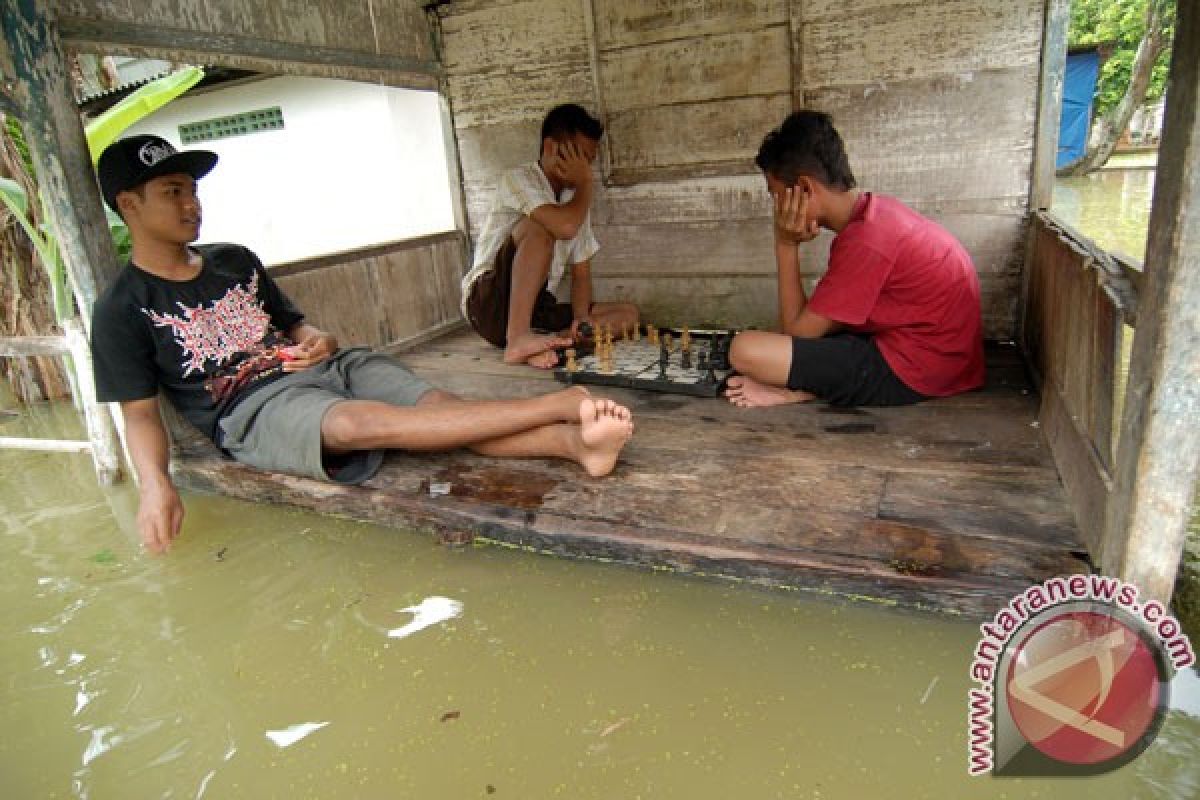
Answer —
520 191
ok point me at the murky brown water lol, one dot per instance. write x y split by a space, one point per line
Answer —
1111 207
130 676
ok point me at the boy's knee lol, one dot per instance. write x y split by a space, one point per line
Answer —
530 237
340 430
742 352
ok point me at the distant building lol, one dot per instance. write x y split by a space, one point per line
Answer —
309 166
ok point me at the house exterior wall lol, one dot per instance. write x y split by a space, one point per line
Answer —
936 101
356 164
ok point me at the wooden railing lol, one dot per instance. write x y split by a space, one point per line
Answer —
1078 318
102 438
381 296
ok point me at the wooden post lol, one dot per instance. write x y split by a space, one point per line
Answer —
40 88
101 432
1049 112
1158 455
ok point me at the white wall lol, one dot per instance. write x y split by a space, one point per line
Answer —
356 164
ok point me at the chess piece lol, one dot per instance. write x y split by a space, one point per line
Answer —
664 357
637 333
668 342
685 359
685 340
572 364
652 334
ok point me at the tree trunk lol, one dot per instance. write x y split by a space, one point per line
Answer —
1108 129
26 304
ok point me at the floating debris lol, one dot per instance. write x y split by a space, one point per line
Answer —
294 733
431 611
220 556
616 726
439 489
449 715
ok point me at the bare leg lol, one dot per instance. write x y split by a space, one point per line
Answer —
764 360
604 429
530 268
569 424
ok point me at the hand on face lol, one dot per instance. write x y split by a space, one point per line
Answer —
567 163
791 216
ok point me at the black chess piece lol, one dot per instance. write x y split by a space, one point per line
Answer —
664 357
685 359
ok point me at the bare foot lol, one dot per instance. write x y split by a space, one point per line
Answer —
535 349
749 393
604 428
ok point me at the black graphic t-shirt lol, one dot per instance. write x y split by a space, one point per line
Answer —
206 341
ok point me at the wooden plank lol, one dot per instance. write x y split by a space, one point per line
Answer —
526 35
1081 472
1158 458
940 141
1106 350
48 445
1050 92
386 30
720 199
340 300
624 23
361 253
513 95
888 43
11 346
904 563
737 64
726 131
408 292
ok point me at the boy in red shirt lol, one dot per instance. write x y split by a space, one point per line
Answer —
896 317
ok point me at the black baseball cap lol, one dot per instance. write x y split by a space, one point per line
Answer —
128 163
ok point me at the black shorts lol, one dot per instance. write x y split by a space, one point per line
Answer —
487 304
847 369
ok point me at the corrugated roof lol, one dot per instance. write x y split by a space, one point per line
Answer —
101 75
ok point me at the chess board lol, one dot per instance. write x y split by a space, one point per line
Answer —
635 365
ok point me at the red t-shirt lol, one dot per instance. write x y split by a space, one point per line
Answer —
905 280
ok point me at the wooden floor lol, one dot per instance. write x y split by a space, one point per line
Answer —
952 505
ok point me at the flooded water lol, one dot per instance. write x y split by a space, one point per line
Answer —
1111 207
270 655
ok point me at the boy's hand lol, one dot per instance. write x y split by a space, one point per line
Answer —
159 517
311 351
792 224
569 165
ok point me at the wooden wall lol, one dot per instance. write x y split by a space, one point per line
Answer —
353 39
380 296
936 101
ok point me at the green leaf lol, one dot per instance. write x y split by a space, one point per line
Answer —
105 556
108 127
14 196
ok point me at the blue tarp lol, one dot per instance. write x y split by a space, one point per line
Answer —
1078 87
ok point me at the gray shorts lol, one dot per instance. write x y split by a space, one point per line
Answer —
278 427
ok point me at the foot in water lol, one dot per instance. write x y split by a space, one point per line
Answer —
748 393
604 429
535 349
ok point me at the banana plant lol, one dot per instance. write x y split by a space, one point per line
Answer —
100 133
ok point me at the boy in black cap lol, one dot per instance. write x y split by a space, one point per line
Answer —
209 327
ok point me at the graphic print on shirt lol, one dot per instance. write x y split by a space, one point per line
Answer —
231 341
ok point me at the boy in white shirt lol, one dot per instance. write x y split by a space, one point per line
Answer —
539 225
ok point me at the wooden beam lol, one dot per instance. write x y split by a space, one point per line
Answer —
20 346
1049 109
173 40
49 445
1158 456
40 87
